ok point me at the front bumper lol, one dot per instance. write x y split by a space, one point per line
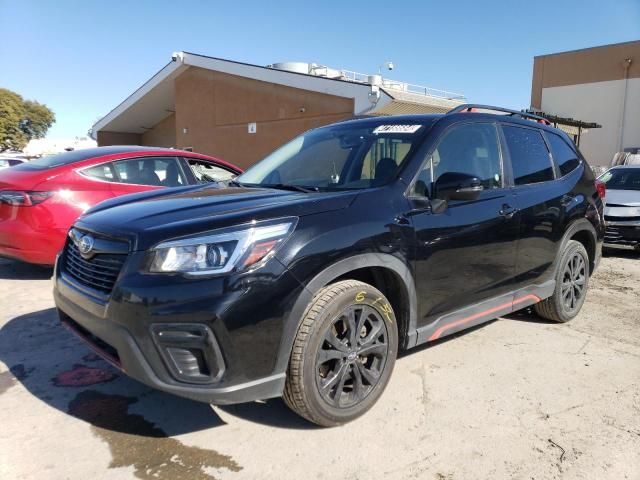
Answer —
242 319
20 241
622 234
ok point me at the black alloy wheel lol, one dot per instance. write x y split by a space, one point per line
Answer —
352 357
343 353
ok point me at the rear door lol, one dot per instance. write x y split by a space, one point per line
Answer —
541 200
466 254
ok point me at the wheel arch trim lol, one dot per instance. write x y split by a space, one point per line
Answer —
337 270
577 226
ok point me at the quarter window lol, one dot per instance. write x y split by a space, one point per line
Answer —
529 155
566 158
206 172
101 172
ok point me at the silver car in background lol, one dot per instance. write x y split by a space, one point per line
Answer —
622 209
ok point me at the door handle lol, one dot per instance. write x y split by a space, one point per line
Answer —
507 211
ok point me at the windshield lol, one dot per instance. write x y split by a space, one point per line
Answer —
340 157
622 179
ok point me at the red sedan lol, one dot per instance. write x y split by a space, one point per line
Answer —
40 200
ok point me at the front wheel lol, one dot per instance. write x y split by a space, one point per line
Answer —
343 354
572 280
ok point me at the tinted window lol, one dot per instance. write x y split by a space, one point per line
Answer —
471 149
566 158
157 171
4 163
101 172
206 172
622 179
529 155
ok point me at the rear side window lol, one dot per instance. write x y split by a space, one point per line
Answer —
529 155
566 158
156 171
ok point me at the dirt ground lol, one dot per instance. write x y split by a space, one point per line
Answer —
517 398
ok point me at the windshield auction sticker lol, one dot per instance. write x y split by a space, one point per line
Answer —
397 129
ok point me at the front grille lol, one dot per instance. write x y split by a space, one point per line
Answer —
98 272
610 218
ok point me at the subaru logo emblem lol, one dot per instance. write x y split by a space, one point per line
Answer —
86 244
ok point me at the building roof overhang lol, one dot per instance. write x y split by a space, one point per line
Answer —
155 99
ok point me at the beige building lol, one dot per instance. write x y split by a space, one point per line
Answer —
240 112
599 84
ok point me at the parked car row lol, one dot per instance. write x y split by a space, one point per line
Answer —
304 276
40 199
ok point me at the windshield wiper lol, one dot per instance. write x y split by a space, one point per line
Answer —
289 186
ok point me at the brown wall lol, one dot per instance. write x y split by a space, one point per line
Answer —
598 64
215 109
163 134
118 138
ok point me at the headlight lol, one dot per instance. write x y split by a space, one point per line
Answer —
235 249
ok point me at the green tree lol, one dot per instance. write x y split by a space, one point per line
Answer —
21 120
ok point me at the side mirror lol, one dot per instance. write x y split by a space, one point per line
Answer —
458 186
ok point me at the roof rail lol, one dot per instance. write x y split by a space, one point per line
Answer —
470 107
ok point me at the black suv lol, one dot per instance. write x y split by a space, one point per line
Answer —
305 276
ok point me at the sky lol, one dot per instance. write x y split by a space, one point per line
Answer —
82 58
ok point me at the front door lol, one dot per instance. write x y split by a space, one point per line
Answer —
465 256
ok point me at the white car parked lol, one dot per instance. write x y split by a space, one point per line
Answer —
622 209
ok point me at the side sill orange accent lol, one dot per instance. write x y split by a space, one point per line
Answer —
462 321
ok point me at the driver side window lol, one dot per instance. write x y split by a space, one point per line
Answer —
471 149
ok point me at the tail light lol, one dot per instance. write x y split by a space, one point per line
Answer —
24 199
602 189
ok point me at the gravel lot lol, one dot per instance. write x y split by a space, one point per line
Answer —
517 398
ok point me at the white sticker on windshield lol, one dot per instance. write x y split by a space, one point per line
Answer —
397 129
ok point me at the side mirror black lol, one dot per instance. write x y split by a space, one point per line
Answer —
458 186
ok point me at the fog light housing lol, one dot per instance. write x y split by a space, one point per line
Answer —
189 351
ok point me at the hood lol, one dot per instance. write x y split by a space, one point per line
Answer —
629 198
151 217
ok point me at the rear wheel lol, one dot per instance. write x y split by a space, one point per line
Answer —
343 354
572 280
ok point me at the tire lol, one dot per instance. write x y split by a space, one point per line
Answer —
572 269
323 354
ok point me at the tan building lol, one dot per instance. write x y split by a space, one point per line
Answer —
240 112
599 84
